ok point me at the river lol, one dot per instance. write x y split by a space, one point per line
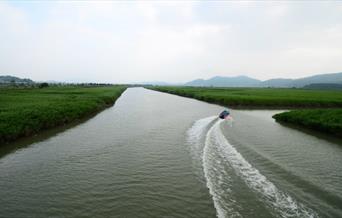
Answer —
158 155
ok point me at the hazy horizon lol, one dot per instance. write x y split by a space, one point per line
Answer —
132 42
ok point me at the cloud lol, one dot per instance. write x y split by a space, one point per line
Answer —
175 41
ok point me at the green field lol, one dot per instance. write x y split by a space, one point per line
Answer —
24 112
260 97
325 120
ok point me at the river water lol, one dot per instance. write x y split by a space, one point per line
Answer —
158 155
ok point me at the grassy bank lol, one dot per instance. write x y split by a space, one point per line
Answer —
24 112
260 97
324 120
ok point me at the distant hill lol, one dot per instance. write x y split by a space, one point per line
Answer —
322 78
332 78
220 81
244 81
277 83
155 83
322 86
15 80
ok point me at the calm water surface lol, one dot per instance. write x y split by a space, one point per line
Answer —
158 155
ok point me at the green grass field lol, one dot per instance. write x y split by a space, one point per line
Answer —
24 112
260 97
324 120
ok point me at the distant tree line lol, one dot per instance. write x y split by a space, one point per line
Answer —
45 84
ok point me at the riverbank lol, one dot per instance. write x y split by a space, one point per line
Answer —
25 112
327 119
259 97
323 120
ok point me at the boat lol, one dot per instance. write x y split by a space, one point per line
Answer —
224 114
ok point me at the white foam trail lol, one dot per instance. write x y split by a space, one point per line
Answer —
223 208
278 201
195 135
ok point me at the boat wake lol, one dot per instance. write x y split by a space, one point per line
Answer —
220 162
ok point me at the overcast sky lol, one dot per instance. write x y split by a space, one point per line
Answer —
123 42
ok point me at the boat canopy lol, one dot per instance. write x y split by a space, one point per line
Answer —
224 114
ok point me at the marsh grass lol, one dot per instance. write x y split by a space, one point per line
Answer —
323 120
26 111
260 97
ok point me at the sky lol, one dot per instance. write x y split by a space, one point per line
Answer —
172 41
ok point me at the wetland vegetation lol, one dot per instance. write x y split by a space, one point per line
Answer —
325 120
26 111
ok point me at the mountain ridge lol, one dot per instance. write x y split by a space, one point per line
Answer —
236 81
245 81
7 79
